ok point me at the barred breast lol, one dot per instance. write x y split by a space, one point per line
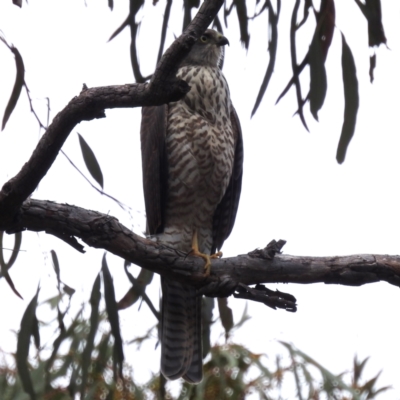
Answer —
200 151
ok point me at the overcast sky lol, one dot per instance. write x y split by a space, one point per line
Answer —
293 189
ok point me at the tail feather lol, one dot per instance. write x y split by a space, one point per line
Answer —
181 354
194 373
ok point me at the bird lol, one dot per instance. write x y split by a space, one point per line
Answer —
192 163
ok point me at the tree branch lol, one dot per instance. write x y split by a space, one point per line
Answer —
103 231
164 87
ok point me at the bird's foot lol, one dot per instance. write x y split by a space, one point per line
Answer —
206 257
216 255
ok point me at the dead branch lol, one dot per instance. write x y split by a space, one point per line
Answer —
103 231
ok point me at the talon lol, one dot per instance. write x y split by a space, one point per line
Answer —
216 255
207 258
207 266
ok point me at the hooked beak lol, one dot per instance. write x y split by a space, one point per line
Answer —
222 41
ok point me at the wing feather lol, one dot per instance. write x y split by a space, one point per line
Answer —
153 131
225 214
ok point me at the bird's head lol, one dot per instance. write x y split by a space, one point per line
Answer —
207 50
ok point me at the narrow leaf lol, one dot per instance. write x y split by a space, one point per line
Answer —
226 315
372 65
137 290
134 7
17 3
5 266
167 13
19 82
56 267
318 83
94 323
56 343
112 311
8 279
241 11
245 317
120 29
351 101
16 249
272 47
129 299
295 66
68 290
139 78
111 4
29 327
376 33
306 8
326 19
91 162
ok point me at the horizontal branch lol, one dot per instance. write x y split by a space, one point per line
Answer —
103 231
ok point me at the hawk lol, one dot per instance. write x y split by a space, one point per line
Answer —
192 157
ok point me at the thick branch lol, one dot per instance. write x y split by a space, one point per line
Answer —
91 103
102 231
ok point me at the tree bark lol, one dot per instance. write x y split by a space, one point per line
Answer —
103 231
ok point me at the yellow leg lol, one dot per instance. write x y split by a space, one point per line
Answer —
206 257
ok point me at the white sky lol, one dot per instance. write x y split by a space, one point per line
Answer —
293 189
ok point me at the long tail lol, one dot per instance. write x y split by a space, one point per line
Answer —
181 350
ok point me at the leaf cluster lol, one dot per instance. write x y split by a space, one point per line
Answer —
87 357
315 58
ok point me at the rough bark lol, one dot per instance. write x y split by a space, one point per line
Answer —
103 231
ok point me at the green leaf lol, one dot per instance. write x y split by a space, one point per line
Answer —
19 83
15 250
272 47
226 315
351 101
104 356
372 11
5 266
245 317
372 65
138 288
91 162
241 11
56 266
94 323
167 13
68 290
112 311
318 82
29 327
358 368
120 28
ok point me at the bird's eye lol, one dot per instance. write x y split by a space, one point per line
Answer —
203 38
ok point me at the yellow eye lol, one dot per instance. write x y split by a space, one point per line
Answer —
203 38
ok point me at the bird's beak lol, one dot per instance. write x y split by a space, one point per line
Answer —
222 41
